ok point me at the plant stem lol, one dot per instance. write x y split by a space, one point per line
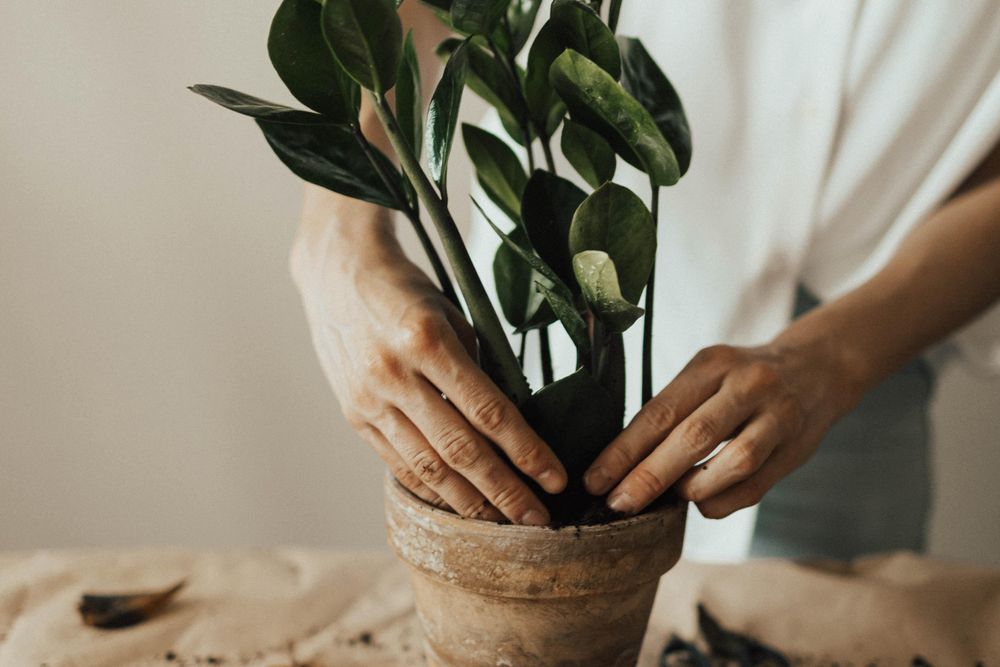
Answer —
647 321
413 214
498 356
550 161
546 354
613 14
520 353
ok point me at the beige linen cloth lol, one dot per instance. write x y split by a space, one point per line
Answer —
301 608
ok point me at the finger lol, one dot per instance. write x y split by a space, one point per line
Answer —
430 469
493 415
466 334
750 491
692 440
465 451
402 472
737 461
651 425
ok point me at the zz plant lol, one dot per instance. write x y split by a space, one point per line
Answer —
577 257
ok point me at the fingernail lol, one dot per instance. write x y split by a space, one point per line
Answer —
552 481
596 481
534 518
622 502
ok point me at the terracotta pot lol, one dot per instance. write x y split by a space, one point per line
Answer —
519 596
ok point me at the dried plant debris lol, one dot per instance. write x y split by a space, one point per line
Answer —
724 647
122 611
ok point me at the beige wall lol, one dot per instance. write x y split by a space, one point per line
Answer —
157 383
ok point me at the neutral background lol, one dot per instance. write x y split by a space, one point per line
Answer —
157 383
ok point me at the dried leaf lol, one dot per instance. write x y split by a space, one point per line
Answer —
122 611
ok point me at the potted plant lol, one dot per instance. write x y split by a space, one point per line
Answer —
492 594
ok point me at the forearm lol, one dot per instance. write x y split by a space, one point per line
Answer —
944 274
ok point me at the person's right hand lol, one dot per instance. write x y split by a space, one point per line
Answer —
400 358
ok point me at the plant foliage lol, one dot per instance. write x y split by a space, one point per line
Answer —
579 257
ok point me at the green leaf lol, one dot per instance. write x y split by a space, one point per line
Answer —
302 59
645 81
477 17
598 280
547 210
515 283
572 25
556 292
568 315
577 418
599 102
521 16
248 105
589 154
614 220
444 5
330 156
489 80
409 98
367 38
442 115
498 168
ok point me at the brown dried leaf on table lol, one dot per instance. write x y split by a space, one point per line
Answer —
122 611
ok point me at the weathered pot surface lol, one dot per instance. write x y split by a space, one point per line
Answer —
519 596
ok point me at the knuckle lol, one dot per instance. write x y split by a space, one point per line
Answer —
407 478
698 436
429 469
715 354
647 482
473 508
382 364
618 459
660 414
745 459
489 414
510 500
761 376
421 332
458 448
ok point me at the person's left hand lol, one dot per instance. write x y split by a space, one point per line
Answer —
774 403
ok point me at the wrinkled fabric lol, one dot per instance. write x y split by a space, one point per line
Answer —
288 607
824 132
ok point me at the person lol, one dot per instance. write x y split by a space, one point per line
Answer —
841 219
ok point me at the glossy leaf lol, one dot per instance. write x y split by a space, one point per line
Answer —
442 115
330 156
498 169
598 279
577 418
547 210
254 107
409 98
521 16
599 102
643 79
367 38
515 282
572 25
477 17
589 154
614 220
489 80
302 59
555 291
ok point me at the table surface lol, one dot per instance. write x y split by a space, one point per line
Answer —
309 608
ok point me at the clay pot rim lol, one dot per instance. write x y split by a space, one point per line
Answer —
573 532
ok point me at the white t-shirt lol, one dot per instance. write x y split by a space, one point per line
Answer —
824 132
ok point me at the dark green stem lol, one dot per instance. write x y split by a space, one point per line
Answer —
546 354
613 14
647 321
413 215
550 161
520 352
497 355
